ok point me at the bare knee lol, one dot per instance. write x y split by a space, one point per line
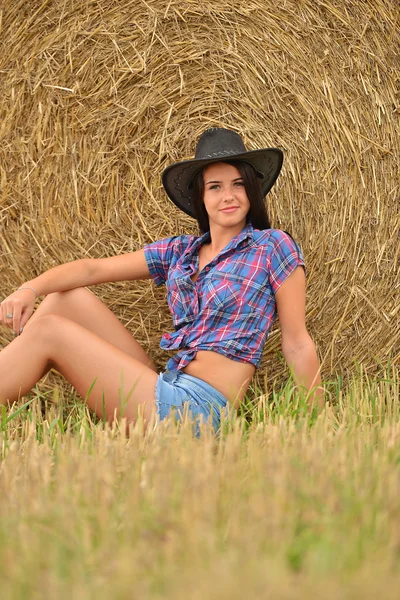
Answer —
45 324
45 327
45 331
59 302
69 296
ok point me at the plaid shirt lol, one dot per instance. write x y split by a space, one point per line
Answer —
231 306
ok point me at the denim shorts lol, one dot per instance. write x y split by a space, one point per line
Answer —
175 388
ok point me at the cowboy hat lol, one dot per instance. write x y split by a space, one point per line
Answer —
217 145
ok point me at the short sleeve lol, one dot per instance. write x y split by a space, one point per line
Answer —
159 256
285 256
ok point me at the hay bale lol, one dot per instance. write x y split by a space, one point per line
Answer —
98 97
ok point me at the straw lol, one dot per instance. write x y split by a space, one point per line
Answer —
96 99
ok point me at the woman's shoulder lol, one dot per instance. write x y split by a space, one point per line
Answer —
184 238
185 241
271 237
177 241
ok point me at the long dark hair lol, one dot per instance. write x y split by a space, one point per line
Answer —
257 214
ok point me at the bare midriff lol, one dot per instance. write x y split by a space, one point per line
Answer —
230 377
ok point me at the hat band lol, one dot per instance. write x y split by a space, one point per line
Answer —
219 153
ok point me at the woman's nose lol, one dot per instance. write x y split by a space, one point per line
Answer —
228 194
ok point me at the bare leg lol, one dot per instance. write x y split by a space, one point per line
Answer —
124 383
83 307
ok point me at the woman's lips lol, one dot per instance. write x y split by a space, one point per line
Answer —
230 209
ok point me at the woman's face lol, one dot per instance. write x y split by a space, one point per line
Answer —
225 196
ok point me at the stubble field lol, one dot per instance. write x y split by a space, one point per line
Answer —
283 504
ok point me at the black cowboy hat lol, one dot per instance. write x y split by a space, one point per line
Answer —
216 145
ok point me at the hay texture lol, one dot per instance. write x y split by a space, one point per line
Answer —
98 97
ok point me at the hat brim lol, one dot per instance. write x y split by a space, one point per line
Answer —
177 177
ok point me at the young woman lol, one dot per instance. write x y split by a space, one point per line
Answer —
224 290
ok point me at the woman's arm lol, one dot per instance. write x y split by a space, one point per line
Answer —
91 271
303 363
16 309
297 346
59 279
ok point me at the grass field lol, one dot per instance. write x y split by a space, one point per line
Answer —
283 504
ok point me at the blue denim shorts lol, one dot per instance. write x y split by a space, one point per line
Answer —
175 388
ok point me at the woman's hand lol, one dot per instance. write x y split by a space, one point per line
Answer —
17 308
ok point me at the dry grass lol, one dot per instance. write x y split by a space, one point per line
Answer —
288 507
96 98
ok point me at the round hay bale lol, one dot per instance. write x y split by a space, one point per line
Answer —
97 98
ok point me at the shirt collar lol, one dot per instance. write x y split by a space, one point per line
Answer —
246 233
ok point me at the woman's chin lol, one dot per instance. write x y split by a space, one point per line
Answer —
229 222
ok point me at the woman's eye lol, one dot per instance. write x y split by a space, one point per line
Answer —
239 183
214 187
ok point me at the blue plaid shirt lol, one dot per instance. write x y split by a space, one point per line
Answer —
231 307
